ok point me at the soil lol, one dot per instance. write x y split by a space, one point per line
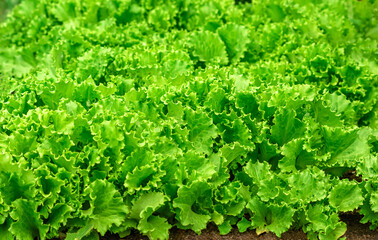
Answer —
351 175
356 231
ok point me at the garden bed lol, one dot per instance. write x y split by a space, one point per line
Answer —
356 231
153 116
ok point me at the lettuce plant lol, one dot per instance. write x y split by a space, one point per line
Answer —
148 114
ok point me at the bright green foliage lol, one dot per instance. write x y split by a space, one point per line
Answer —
235 37
192 204
28 224
106 206
208 47
268 217
118 115
345 196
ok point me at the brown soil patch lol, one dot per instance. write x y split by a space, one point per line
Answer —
351 175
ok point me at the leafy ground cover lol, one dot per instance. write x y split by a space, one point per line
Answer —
143 115
355 231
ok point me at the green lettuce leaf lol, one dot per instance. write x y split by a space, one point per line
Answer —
192 205
236 40
208 47
28 224
266 217
346 196
106 206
